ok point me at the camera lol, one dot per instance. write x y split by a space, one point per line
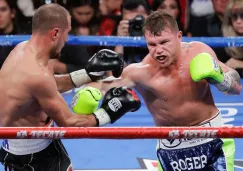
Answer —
136 26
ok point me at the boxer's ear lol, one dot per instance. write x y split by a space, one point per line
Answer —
179 35
54 33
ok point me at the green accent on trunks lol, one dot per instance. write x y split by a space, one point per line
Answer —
229 153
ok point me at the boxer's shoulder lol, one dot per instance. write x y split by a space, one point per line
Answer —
135 70
40 83
193 43
20 47
191 49
199 47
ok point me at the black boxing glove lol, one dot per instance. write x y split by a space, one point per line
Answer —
117 102
104 60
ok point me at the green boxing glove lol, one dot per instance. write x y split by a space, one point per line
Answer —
204 66
86 100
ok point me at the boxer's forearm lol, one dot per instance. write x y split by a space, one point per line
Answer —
79 120
97 85
236 89
236 86
64 83
59 67
231 84
103 86
74 79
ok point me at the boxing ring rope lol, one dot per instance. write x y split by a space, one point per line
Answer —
126 41
119 132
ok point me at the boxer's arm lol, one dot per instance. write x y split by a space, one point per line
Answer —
64 82
231 83
53 104
58 66
129 77
232 78
97 68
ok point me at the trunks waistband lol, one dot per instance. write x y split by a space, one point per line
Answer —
215 121
26 146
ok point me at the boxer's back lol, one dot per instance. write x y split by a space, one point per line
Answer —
18 108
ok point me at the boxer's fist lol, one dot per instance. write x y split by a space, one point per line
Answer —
204 66
117 102
97 67
104 60
86 100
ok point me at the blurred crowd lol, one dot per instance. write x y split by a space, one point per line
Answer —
196 18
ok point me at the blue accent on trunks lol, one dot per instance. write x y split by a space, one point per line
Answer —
205 157
5 144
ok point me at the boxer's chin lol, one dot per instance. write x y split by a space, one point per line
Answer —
55 56
58 55
165 64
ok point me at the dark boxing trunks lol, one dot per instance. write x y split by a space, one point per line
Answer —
199 154
212 156
52 158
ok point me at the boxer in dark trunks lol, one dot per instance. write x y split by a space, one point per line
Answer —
29 96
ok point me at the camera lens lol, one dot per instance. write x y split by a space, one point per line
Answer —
136 25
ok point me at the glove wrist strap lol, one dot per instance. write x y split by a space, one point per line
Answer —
80 78
102 117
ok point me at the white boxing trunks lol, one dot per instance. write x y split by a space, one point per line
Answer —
35 155
26 146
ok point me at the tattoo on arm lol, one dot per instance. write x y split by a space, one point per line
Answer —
231 83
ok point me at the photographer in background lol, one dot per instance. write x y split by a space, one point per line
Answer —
134 13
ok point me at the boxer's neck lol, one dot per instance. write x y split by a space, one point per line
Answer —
41 48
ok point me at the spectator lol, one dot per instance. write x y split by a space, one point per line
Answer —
28 7
85 16
199 8
8 25
198 11
7 17
210 26
233 26
85 21
172 7
110 17
108 7
134 12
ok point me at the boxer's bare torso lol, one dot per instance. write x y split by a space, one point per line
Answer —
18 76
170 94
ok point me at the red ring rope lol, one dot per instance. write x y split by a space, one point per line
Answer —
119 133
